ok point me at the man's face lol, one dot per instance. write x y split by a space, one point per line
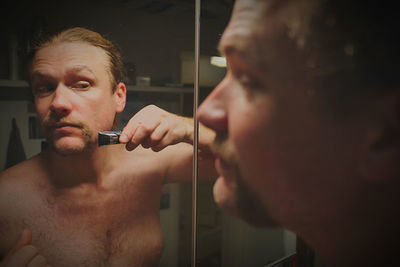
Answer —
276 157
73 95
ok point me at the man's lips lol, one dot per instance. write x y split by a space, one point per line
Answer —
223 167
58 125
64 128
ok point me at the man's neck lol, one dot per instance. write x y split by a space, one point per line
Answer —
88 167
377 247
368 236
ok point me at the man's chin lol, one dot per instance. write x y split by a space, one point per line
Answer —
225 197
238 201
66 148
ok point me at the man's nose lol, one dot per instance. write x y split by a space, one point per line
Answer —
61 102
212 112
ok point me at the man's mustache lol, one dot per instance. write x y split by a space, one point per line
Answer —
223 148
50 121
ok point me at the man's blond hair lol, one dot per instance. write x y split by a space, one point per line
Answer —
79 34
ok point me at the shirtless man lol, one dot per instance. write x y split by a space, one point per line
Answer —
308 124
77 204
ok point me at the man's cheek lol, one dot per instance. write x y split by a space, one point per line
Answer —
247 145
225 195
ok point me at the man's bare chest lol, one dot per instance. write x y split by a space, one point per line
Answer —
107 233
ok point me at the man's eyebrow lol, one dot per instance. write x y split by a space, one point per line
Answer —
80 68
233 43
233 48
37 75
225 49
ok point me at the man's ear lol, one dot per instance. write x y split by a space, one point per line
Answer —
120 97
381 161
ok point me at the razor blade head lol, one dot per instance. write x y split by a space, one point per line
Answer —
109 137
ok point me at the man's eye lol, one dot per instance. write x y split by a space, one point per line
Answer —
81 85
248 82
43 90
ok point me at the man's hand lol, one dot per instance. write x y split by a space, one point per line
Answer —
24 254
155 128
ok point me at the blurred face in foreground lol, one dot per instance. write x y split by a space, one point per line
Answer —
279 160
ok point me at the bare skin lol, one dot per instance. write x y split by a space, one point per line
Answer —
282 159
112 221
85 205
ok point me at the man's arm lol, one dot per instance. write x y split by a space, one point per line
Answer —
155 128
158 129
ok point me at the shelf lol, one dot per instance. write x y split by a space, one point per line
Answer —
13 83
14 90
159 89
19 90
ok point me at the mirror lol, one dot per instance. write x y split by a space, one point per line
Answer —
156 38
153 36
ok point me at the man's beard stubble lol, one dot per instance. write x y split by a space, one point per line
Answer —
247 203
47 128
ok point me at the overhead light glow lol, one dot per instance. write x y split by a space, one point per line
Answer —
218 61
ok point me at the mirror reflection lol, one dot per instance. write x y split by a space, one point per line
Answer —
77 204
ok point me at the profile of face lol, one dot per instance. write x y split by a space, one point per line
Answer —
73 95
278 159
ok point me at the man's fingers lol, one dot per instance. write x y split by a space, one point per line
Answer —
143 131
159 133
38 261
22 256
147 119
153 128
160 146
140 134
127 133
24 239
155 137
167 140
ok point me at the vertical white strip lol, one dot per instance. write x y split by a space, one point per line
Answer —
196 132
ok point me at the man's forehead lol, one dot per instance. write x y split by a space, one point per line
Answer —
240 4
72 69
246 28
263 6
239 28
75 56
71 51
252 15
256 23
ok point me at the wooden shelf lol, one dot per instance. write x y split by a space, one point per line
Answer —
13 83
159 89
12 90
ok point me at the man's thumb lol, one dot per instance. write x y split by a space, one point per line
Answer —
24 239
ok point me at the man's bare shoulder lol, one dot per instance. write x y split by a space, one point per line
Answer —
21 173
173 161
160 159
138 162
17 196
19 183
